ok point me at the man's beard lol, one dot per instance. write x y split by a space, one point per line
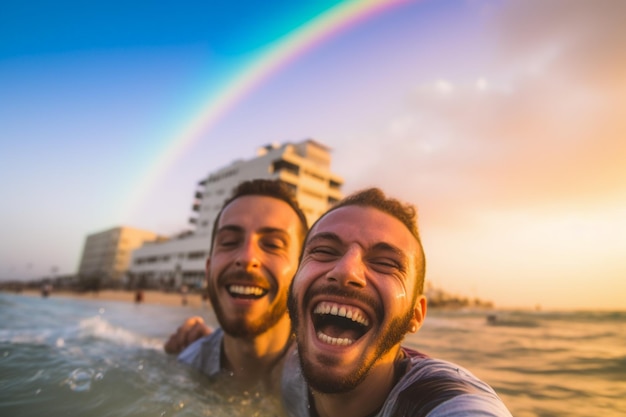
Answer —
243 327
321 381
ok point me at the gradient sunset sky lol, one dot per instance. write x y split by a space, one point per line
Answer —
503 121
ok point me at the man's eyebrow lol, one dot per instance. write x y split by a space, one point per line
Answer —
264 230
323 236
269 229
384 246
230 228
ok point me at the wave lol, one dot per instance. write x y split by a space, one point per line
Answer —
99 328
85 330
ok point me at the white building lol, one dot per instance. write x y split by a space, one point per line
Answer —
305 166
107 254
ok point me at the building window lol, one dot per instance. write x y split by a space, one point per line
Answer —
222 175
196 255
282 165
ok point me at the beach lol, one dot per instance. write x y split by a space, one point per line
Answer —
194 300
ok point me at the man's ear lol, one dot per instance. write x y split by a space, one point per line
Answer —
419 314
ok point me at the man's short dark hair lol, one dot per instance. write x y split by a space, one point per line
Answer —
406 213
277 189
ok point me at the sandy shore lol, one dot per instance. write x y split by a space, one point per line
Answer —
149 296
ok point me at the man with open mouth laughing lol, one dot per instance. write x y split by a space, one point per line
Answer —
357 292
256 240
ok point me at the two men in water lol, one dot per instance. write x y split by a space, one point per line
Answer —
356 293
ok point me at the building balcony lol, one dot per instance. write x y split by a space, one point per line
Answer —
334 193
282 165
288 177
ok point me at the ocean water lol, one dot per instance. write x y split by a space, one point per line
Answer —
87 357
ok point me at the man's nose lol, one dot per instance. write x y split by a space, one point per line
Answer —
248 255
349 270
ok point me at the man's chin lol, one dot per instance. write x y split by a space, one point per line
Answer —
242 328
328 383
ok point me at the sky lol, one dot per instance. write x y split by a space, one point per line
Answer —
504 122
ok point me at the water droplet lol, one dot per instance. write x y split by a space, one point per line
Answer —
101 311
80 379
60 342
38 391
140 367
98 377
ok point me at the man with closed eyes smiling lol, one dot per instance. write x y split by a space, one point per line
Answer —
256 239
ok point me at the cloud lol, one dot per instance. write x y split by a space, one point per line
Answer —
544 125
587 38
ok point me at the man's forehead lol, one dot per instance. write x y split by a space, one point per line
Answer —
258 211
367 224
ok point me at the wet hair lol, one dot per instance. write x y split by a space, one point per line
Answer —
404 212
277 189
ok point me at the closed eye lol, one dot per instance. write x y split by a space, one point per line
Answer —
226 243
386 265
228 239
274 243
323 252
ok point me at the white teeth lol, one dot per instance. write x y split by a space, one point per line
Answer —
245 290
341 341
343 311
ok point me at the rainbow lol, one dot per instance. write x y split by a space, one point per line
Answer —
291 46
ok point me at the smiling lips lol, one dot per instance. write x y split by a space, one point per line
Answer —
339 324
246 291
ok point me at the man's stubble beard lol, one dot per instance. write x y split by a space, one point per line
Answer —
244 328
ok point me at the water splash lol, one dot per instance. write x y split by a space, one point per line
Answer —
100 328
80 379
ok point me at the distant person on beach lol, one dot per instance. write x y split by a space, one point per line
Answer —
46 289
257 237
138 296
357 292
184 290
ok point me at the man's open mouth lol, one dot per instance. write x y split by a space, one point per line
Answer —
339 324
250 292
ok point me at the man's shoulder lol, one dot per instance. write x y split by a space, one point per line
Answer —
294 389
434 387
204 354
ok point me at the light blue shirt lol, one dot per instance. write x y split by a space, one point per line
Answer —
205 354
